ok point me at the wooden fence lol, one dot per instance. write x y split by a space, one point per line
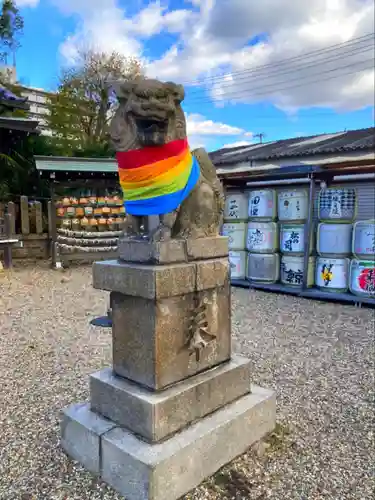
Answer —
29 221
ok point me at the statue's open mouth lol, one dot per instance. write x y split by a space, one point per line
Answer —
150 125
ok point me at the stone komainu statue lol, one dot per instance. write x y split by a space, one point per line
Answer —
159 175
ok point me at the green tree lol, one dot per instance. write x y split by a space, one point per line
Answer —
18 174
42 145
11 26
80 111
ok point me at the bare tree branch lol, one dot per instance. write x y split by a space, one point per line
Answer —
84 104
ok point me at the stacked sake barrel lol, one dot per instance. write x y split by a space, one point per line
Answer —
235 219
336 211
263 265
293 213
362 266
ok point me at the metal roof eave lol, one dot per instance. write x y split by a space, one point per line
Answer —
297 171
272 173
19 124
281 167
69 164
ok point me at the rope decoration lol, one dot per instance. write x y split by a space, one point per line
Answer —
77 248
88 242
89 234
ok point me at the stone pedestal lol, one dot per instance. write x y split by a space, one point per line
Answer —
176 405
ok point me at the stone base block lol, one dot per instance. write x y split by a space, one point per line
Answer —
151 339
81 431
174 250
160 281
156 415
163 252
168 470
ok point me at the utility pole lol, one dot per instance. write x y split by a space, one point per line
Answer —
261 135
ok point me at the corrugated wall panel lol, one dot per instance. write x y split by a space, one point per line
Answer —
365 198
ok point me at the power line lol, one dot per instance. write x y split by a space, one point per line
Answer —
250 92
260 69
305 55
300 116
289 70
264 90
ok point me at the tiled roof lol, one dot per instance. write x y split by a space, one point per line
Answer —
10 100
351 140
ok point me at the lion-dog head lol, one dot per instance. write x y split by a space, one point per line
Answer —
149 114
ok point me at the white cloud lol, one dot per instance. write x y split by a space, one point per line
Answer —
155 18
303 83
27 3
220 40
148 22
237 144
102 27
201 131
214 41
195 142
177 20
199 125
106 27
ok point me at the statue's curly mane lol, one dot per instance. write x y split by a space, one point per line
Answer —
144 98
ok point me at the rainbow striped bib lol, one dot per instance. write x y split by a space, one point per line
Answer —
156 180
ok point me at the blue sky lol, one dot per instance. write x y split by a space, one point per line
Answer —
233 49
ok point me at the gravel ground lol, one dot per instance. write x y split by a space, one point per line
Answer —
317 356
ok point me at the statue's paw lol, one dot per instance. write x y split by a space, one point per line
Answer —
162 233
129 233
